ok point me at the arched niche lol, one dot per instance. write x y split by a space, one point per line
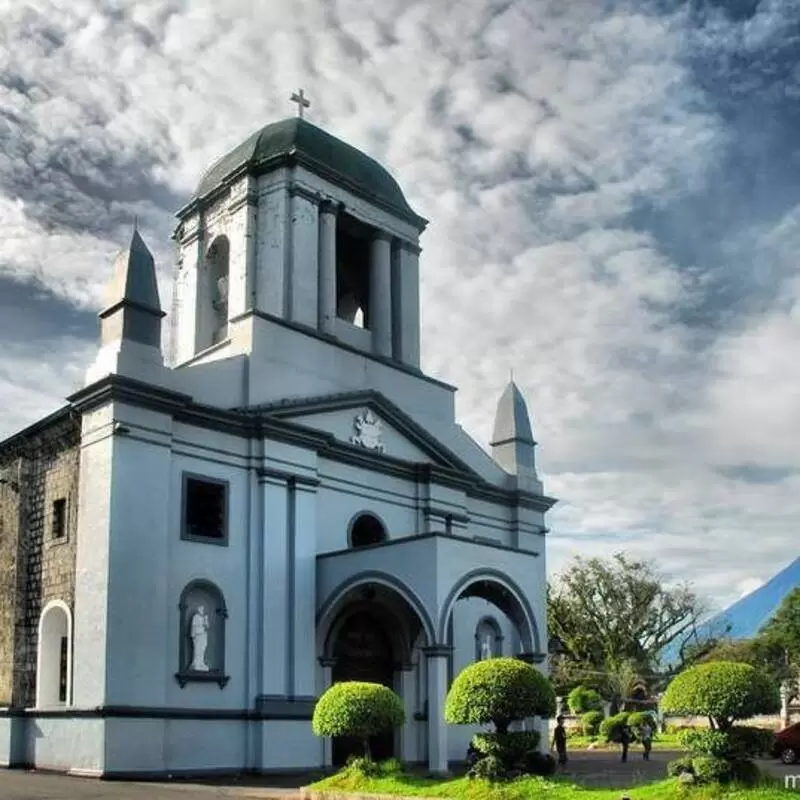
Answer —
213 298
365 529
202 618
54 656
488 639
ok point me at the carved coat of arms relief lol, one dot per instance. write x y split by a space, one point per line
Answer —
368 429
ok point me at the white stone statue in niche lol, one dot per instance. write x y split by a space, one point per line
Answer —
199 626
368 431
486 647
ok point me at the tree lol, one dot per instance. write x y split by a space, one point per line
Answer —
357 709
781 639
723 691
583 699
613 617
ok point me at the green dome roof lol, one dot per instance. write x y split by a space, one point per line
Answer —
296 141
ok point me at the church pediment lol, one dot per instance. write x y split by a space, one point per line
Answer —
368 421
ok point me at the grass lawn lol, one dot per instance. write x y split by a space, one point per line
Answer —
400 784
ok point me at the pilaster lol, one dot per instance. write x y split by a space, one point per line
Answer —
274 638
381 294
304 294
303 594
274 250
242 214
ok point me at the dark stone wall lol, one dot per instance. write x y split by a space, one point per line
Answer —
35 567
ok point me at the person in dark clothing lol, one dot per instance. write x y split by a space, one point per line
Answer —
646 735
625 740
560 741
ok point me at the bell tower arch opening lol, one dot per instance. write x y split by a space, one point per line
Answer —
353 284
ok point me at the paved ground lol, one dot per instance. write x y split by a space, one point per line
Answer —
587 768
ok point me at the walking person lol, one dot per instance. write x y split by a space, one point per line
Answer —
625 741
646 733
560 741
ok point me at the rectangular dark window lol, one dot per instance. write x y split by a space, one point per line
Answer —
205 510
59 518
62 672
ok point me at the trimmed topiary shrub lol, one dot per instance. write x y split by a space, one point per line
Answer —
723 691
357 709
680 766
583 699
499 691
591 722
711 769
536 763
509 747
489 768
611 727
637 720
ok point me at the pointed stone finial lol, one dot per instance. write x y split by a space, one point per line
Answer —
133 292
512 441
130 324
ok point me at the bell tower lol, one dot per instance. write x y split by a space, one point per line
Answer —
294 228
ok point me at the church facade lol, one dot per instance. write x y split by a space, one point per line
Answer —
199 543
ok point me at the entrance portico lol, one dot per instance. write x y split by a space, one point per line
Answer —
405 591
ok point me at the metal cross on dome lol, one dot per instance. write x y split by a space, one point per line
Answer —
302 102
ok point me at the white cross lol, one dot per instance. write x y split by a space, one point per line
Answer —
301 100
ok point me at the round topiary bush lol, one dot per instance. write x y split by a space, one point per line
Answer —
583 699
723 691
711 769
611 727
638 719
591 722
357 709
498 691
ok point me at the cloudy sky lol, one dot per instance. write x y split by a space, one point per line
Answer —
614 196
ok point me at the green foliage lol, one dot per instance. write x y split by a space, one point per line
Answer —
615 616
582 699
679 766
498 691
711 769
611 727
722 691
751 742
705 742
591 722
490 768
355 708
638 719
508 747
363 766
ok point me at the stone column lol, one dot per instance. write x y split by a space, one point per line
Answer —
437 660
405 688
380 301
328 212
405 297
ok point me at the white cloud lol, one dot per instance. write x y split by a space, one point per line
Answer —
531 134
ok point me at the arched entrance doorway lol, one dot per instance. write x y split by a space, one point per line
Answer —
372 628
362 651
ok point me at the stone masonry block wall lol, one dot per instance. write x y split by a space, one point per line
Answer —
35 567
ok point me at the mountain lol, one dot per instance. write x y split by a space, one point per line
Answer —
745 618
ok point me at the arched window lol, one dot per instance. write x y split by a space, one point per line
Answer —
365 530
218 273
54 656
202 634
488 639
